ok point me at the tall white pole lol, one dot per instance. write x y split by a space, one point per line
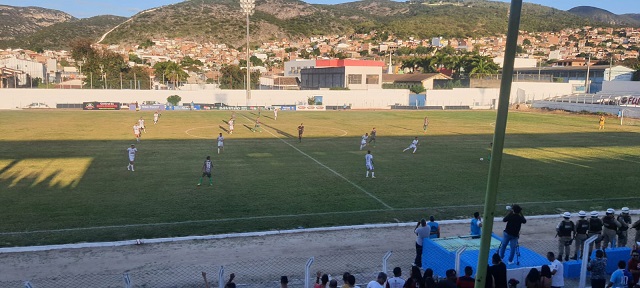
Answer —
586 84
248 63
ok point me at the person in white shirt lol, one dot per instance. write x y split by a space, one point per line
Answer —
136 131
382 277
396 281
220 143
231 125
155 117
363 142
275 113
132 156
557 271
414 145
141 124
368 162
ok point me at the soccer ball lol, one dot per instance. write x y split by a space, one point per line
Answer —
481 159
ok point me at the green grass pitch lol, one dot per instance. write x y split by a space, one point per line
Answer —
63 175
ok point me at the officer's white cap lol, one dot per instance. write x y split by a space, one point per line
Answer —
625 210
566 215
582 214
594 213
610 211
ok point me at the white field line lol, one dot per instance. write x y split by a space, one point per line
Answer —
326 167
246 234
196 136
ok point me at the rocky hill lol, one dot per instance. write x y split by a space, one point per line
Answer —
21 21
221 21
605 16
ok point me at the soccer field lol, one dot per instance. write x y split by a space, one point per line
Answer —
63 176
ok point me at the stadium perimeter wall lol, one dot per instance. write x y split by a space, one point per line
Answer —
357 99
620 87
633 112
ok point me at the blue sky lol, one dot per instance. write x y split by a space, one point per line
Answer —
89 8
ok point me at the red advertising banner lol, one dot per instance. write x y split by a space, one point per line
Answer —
100 106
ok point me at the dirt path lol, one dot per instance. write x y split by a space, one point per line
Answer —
538 234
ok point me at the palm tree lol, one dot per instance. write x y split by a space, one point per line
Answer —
174 73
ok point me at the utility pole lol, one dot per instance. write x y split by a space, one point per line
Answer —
586 83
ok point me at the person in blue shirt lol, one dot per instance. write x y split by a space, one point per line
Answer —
476 225
434 227
621 278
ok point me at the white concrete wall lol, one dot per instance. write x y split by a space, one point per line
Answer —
520 92
358 99
378 98
620 87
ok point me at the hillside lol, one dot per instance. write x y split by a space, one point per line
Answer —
605 16
21 21
59 36
221 21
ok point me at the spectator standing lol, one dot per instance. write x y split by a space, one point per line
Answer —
625 223
610 231
597 267
514 220
345 279
230 283
382 277
634 266
333 283
415 279
321 281
450 281
466 281
621 277
396 281
533 279
582 227
434 228
545 276
284 282
422 232
498 271
352 281
427 279
476 225
557 271
565 230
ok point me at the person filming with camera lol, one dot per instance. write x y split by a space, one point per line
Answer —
514 220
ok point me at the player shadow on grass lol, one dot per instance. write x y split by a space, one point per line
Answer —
248 127
225 122
223 129
285 134
268 117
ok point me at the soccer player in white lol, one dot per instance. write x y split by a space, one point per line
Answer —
136 131
231 121
363 142
141 124
155 118
368 161
132 156
414 145
275 113
220 143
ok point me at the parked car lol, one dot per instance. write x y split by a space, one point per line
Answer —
36 106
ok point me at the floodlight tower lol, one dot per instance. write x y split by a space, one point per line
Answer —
248 7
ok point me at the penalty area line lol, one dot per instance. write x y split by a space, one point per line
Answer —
327 167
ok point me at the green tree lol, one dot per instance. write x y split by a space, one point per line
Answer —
174 99
146 44
417 89
233 77
135 59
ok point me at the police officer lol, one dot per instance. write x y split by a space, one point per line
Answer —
595 228
625 222
610 230
566 230
582 227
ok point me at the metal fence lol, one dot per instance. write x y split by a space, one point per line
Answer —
266 272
